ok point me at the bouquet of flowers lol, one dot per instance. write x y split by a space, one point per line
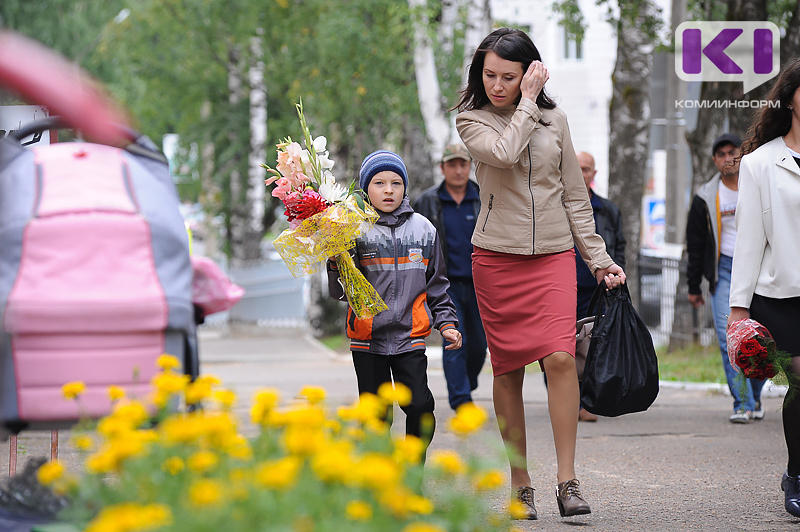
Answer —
752 351
325 217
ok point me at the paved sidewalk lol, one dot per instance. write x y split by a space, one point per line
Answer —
679 466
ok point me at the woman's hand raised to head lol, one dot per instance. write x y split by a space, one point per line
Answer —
533 80
613 276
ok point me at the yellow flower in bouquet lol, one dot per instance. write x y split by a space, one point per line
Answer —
325 217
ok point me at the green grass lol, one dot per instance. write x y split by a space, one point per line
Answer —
691 364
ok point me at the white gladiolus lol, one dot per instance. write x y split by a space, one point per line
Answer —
319 144
305 157
324 162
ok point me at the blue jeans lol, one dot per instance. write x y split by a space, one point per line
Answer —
721 308
462 366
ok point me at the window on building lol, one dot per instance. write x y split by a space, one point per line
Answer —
573 46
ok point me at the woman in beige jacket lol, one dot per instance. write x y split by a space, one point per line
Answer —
534 209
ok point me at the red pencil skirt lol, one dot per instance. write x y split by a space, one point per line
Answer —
527 305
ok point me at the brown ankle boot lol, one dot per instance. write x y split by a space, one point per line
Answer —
569 499
525 497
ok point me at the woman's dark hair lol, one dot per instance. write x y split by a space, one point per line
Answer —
511 45
773 122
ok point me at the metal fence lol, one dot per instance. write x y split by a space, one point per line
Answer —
664 305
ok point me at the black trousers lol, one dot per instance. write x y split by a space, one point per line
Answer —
409 369
780 317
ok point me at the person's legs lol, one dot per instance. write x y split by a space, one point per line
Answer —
454 362
475 338
372 371
563 401
721 309
411 370
510 412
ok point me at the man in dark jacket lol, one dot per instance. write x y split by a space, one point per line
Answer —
453 208
608 224
710 239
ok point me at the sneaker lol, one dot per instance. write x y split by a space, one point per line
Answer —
741 416
758 411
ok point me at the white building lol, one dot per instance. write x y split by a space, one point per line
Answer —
580 73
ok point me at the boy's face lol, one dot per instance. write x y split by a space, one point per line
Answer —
386 191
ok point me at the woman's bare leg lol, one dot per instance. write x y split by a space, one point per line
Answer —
563 400
510 412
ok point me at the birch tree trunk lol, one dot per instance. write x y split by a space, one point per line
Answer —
434 114
478 26
235 224
630 129
256 190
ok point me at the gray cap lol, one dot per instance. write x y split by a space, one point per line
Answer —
725 138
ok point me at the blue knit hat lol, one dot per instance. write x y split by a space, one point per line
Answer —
379 161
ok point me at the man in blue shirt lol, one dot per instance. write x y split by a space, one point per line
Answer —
608 224
453 207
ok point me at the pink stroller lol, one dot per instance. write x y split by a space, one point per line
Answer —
95 274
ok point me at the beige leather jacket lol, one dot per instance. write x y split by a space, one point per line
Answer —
533 198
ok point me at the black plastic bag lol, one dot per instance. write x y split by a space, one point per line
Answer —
621 373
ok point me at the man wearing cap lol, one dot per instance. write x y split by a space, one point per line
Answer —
710 238
453 207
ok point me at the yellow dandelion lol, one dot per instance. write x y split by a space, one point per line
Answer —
488 480
173 465
170 383
205 492
115 393
133 412
264 401
82 442
313 394
358 511
448 461
361 90
377 471
278 474
397 393
168 362
72 390
334 463
196 391
408 450
129 516
468 419
419 505
517 510
202 461
50 472
227 398
422 527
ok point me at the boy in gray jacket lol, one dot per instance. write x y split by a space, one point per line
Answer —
402 258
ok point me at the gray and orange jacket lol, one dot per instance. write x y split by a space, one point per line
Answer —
402 258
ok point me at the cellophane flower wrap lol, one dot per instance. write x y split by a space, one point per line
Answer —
325 218
752 351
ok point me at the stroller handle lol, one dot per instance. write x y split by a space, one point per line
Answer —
56 122
139 144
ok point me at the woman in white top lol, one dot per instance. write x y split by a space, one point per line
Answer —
765 280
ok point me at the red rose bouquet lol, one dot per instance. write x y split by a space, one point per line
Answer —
752 351
325 218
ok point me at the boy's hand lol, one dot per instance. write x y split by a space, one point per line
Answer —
452 336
